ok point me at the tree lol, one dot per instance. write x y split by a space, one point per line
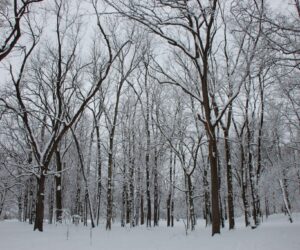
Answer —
54 90
11 31
128 61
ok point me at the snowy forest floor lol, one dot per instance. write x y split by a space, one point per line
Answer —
275 233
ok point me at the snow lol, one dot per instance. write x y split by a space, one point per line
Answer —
274 234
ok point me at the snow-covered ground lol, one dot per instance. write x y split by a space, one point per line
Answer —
275 234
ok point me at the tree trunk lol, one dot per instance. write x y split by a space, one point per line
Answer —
2 199
109 187
20 205
110 161
191 208
88 202
51 203
214 182
58 188
124 198
148 196
169 199
142 210
131 184
220 195
244 180
39 214
155 193
138 196
285 200
207 208
99 172
229 181
25 202
31 210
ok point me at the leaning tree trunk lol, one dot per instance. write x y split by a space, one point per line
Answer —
88 202
285 200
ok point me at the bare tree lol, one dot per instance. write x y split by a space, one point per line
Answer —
11 17
55 95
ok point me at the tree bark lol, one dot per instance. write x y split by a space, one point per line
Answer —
155 193
99 172
58 188
229 181
39 211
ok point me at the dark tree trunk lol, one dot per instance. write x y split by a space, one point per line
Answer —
109 188
220 195
58 188
244 184
25 202
20 205
259 140
229 181
138 196
173 191
2 199
142 210
131 196
77 205
169 199
85 210
214 182
128 207
169 210
148 196
39 214
31 210
156 198
51 203
99 165
207 208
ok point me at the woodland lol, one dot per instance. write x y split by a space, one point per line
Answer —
134 112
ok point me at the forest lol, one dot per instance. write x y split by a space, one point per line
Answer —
139 112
